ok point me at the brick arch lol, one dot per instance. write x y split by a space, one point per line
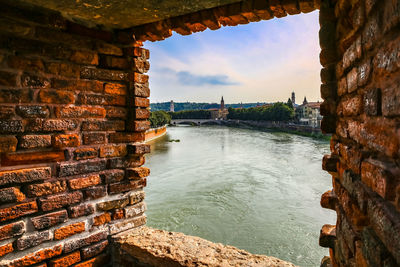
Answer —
234 14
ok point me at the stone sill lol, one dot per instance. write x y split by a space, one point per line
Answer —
147 247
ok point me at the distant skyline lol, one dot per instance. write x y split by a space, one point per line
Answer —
258 62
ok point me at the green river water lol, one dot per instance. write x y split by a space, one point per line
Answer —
255 190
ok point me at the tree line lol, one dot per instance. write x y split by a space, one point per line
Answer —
277 112
191 114
159 118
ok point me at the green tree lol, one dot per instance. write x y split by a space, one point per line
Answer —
159 118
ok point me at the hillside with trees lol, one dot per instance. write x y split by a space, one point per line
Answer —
277 112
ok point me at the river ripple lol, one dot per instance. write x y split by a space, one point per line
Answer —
258 191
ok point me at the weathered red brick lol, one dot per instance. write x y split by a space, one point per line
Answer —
94 138
80 85
48 188
84 57
49 219
94 250
101 219
8 78
37 256
82 167
141 78
138 149
33 111
126 224
24 175
69 230
329 200
102 99
80 112
80 210
118 214
112 176
18 210
104 74
66 140
142 102
127 186
115 89
53 125
387 60
13 229
113 204
67 260
327 236
28 64
8 143
56 97
126 137
132 161
103 125
137 173
31 157
11 126
95 192
135 210
34 81
391 100
108 49
381 177
136 197
114 62
58 201
140 113
350 106
83 242
137 52
32 240
85 153
6 249
63 69
140 66
7 112
83 182
109 151
116 112
141 90
12 194
15 95
34 141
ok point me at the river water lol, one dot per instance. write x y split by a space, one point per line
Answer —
255 190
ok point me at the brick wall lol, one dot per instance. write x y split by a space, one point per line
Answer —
361 78
72 115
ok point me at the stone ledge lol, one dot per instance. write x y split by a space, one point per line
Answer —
146 246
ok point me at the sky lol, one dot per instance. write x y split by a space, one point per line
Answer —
259 62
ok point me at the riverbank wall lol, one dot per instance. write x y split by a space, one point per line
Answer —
278 126
155 133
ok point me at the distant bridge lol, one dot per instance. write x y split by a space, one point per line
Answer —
197 122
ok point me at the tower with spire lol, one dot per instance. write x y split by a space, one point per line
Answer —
222 104
293 98
172 106
305 101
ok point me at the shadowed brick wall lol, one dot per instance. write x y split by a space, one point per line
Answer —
72 115
362 110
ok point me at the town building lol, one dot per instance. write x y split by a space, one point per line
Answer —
308 113
172 106
220 113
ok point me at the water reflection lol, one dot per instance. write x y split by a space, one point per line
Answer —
255 190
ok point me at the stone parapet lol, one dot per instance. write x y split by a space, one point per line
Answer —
150 247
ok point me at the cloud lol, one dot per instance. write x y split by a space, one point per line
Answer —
187 78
